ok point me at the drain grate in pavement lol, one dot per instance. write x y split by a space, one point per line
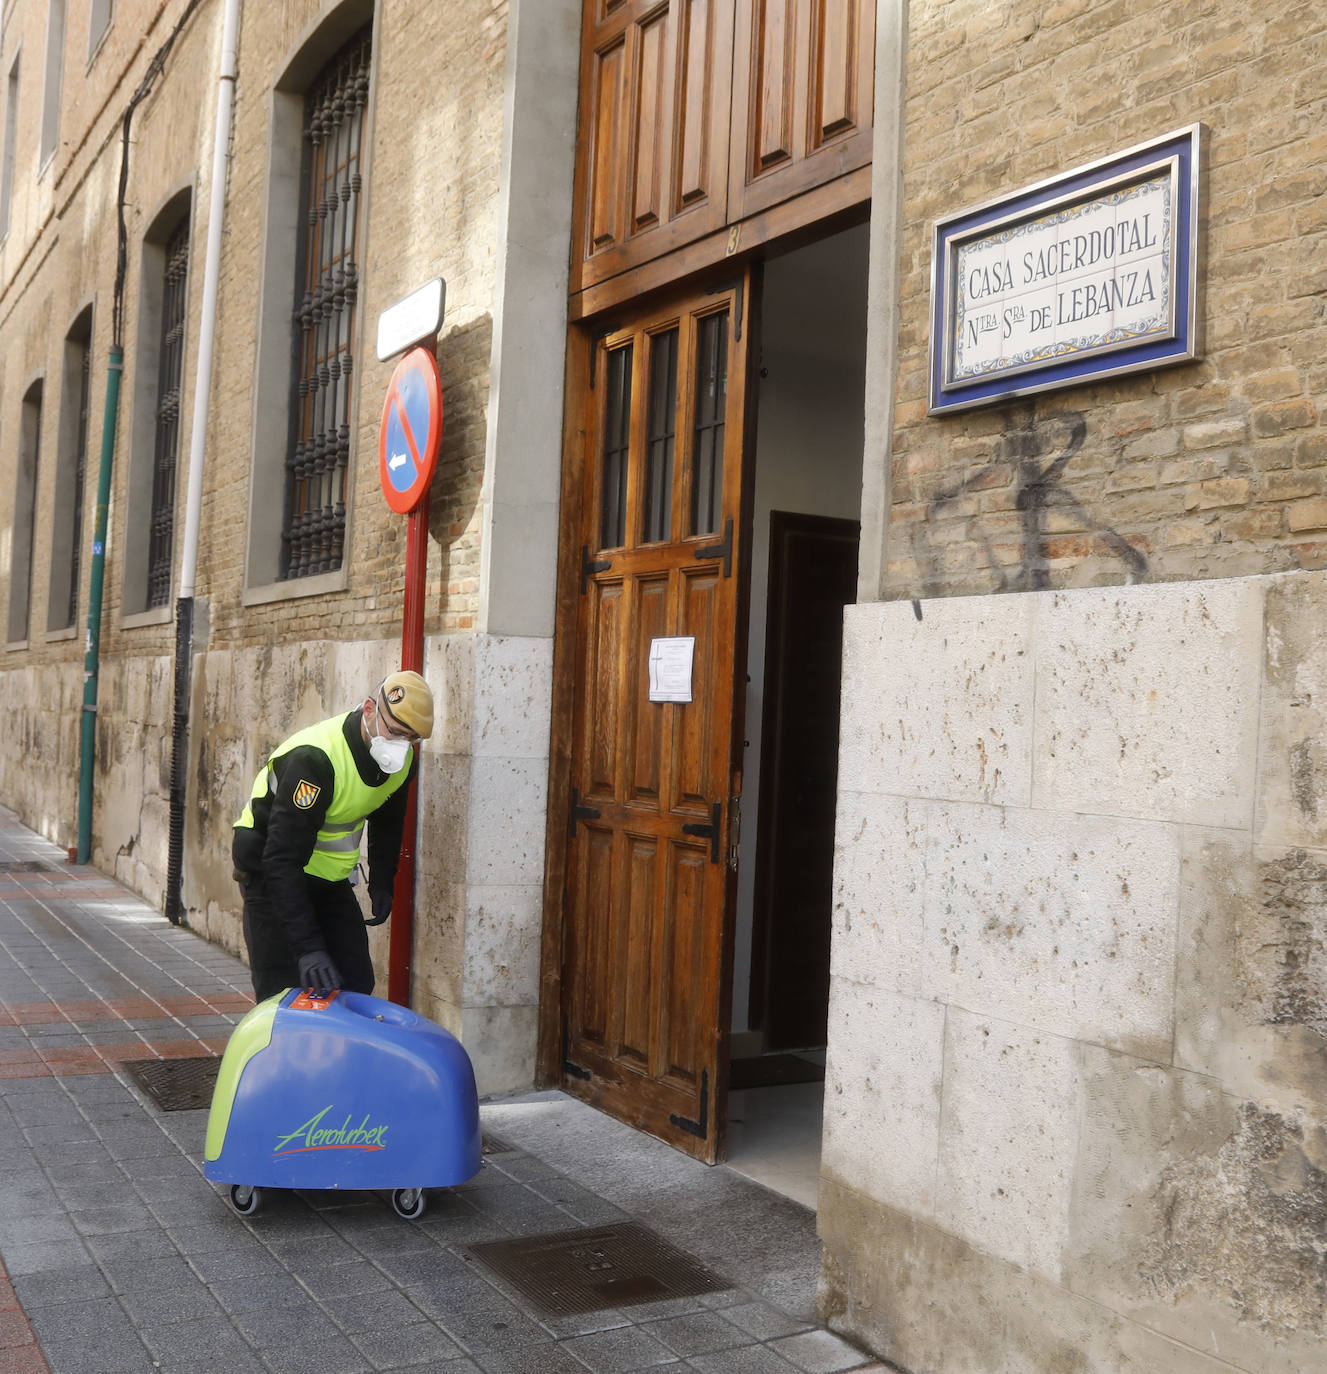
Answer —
25 866
494 1146
596 1268
176 1085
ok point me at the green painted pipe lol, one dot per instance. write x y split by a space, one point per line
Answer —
92 647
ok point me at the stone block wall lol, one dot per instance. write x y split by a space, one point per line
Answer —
1076 1104
1213 469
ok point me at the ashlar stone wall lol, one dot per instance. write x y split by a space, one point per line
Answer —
1076 1103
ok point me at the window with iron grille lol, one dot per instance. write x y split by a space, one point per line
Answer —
80 478
166 447
25 511
8 148
64 519
313 538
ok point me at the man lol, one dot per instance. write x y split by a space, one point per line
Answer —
297 842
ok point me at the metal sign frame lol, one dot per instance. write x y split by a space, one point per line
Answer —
1173 161
412 319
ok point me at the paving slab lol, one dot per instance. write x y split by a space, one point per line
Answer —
123 1258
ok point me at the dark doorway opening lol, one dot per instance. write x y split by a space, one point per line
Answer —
813 575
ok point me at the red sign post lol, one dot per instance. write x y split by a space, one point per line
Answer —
408 442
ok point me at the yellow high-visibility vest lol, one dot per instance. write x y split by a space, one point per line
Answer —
336 850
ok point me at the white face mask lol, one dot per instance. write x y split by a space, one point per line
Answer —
389 754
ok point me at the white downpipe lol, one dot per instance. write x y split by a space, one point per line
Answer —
211 275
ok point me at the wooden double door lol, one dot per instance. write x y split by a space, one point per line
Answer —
654 782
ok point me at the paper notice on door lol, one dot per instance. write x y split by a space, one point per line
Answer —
670 668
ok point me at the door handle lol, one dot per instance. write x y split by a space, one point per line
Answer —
708 831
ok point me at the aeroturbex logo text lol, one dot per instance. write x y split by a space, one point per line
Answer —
312 1135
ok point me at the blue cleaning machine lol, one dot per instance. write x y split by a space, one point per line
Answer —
346 1092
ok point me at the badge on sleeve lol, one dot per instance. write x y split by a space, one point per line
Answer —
305 794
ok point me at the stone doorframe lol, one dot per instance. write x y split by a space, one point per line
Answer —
504 671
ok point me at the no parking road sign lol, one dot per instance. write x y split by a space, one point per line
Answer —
411 430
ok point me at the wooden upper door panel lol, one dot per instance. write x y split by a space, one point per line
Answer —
696 114
652 152
803 97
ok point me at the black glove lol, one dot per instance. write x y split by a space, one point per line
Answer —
318 973
380 899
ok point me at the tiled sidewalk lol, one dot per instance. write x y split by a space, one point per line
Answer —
118 1257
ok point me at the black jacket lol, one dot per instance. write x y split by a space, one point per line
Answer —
283 835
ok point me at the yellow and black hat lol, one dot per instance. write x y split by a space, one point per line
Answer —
409 700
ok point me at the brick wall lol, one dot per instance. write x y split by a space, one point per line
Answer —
59 258
431 208
1218 468
432 171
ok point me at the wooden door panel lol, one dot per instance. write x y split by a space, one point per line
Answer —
684 968
834 69
699 615
696 95
608 69
773 69
637 972
648 910
593 888
646 734
803 98
603 680
652 154
649 141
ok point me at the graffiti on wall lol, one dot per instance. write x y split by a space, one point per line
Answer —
1038 450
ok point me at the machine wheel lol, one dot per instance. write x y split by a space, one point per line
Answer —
409 1203
244 1199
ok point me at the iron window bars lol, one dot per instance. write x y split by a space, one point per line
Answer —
161 526
313 538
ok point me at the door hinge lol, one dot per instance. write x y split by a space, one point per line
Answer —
723 549
591 565
708 832
574 1070
579 812
699 1128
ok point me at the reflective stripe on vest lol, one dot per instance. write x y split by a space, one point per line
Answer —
336 850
